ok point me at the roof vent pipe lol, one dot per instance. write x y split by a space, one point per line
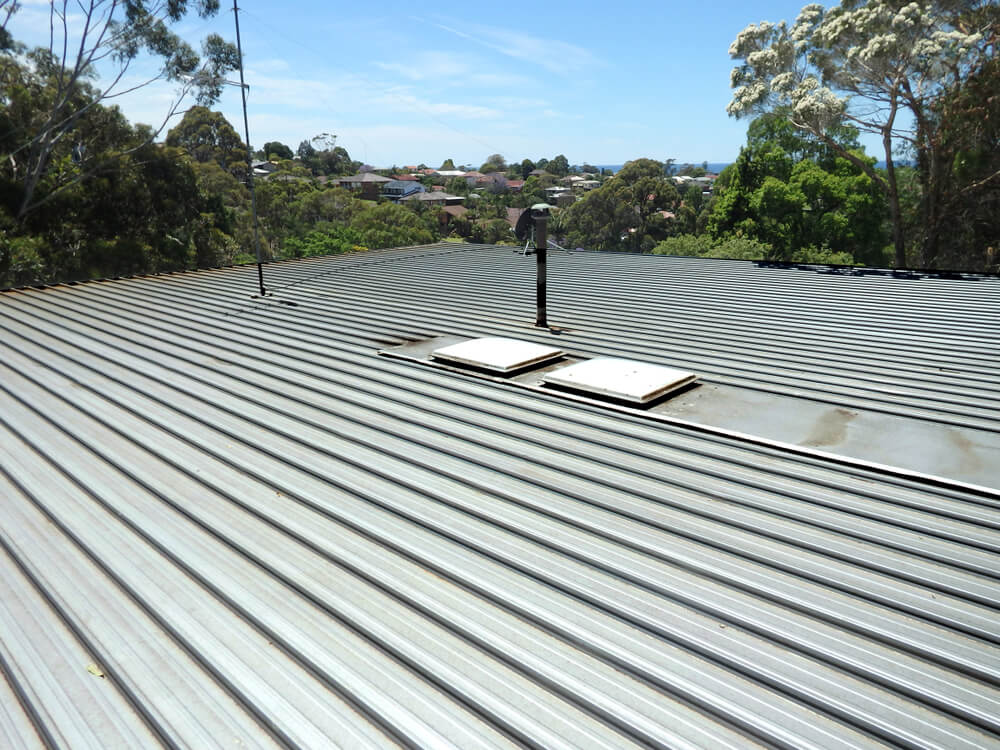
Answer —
535 220
540 215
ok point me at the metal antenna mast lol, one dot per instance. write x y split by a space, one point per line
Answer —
246 130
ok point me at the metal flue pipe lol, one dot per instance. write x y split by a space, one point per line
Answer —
541 219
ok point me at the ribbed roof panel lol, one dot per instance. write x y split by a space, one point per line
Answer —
228 519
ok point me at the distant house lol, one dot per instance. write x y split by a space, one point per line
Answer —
405 177
515 186
560 196
263 168
497 180
435 199
368 183
449 213
705 182
537 173
398 190
587 185
473 178
448 173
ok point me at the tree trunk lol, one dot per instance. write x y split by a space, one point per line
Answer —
892 193
36 162
932 179
932 194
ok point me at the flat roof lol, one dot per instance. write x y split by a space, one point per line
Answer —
228 518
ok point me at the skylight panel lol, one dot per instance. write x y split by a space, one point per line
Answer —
625 379
497 354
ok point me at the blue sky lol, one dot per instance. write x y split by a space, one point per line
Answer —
405 82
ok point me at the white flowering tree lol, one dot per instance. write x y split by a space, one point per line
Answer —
876 64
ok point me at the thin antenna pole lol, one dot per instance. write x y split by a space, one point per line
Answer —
246 130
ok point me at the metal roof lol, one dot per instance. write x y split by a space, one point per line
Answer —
228 520
364 177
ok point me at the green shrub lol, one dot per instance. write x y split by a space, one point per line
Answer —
741 248
684 244
746 248
328 240
21 260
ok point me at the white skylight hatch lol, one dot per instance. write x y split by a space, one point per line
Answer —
625 379
497 354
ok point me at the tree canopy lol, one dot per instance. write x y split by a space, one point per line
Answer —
559 166
626 212
207 136
50 93
793 195
958 168
493 163
277 150
862 62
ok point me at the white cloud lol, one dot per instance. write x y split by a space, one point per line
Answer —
429 66
521 105
498 80
290 109
411 103
270 65
446 69
407 71
30 25
414 143
551 54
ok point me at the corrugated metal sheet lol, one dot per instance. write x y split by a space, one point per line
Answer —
227 520
923 345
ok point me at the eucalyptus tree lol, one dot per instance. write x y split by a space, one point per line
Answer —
559 166
278 150
208 136
867 63
626 212
959 173
48 92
